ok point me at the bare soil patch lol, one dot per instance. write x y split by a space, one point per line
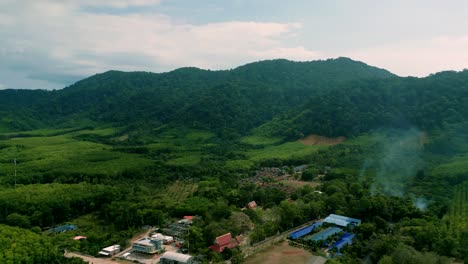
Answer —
313 140
280 253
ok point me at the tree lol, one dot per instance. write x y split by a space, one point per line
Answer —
15 219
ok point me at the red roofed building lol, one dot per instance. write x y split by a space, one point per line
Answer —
252 205
188 217
224 241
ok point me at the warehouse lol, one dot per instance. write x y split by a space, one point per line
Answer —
170 257
343 221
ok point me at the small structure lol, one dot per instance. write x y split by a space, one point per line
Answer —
252 205
189 217
224 241
305 230
343 221
324 234
170 257
110 251
300 168
79 238
147 246
64 228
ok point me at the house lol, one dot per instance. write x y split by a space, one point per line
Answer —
170 257
147 245
252 205
224 241
189 217
110 251
79 238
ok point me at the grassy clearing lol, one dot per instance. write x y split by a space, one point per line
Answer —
256 140
456 166
283 151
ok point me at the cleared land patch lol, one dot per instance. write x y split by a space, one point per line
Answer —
313 140
281 253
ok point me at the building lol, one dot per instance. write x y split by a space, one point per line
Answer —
345 239
147 246
343 221
224 241
305 230
324 234
170 257
252 205
64 228
110 251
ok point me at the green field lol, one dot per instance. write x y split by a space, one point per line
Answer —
458 211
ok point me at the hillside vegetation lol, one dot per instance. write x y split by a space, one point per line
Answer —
120 150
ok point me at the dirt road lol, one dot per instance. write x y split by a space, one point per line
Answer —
93 260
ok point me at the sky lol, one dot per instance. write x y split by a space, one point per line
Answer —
50 44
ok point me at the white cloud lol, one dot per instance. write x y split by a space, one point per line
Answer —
51 38
418 57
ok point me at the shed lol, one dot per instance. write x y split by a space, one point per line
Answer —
64 228
170 257
110 251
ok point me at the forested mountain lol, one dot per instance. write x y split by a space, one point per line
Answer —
238 99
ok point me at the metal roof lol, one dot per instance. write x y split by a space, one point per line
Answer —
176 256
324 234
341 220
344 240
305 230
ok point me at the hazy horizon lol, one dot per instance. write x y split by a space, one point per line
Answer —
50 44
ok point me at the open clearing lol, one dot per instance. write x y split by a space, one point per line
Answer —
313 140
281 253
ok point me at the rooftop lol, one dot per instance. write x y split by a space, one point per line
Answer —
341 220
176 256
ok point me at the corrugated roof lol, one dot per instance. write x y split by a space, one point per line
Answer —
344 240
341 220
304 231
324 234
224 239
176 256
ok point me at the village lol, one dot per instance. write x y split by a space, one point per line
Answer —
170 243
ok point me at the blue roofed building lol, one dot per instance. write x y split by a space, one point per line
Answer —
304 231
343 221
344 240
324 234
64 228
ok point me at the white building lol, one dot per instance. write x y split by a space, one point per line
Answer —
110 251
170 257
